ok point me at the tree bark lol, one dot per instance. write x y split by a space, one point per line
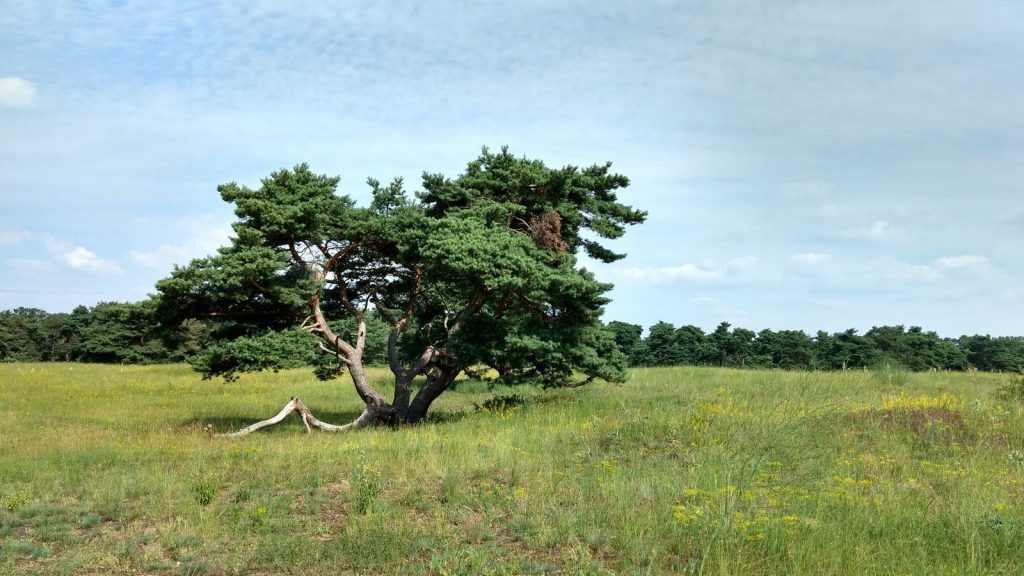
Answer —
437 382
295 405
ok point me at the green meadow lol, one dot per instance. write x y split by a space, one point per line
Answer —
108 470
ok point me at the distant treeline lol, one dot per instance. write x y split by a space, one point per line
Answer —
129 333
110 332
911 349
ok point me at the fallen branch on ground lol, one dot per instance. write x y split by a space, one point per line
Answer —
310 421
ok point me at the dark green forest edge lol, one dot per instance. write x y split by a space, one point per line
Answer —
127 333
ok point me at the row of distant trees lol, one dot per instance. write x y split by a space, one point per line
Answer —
911 349
131 333
128 333
110 332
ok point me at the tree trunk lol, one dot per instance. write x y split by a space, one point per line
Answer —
403 390
401 411
363 387
437 382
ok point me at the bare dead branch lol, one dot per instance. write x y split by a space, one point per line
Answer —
334 353
288 409
295 405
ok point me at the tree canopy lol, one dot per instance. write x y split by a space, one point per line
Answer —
480 269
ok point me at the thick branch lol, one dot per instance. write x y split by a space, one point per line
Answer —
360 335
422 362
295 405
288 409
394 362
319 326
259 287
352 355
437 382
334 353
332 260
578 384
295 254
475 304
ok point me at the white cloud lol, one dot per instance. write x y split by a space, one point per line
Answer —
733 270
82 259
60 254
955 262
31 266
809 259
79 257
880 231
200 240
16 92
942 268
13 237
809 190
882 273
704 300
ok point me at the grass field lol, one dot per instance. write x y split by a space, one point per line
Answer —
107 470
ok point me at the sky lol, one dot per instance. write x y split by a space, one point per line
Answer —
817 165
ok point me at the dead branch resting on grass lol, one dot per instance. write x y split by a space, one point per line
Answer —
310 421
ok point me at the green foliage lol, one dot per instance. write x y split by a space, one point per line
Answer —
508 229
845 350
662 347
14 499
110 332
915 349
479 269
524 196
1002 354
133 334
628 338
204 490
367 481
26 334
119 333
502 403
268 350
1013 389
910 349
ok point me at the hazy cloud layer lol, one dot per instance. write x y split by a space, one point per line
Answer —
200 236
58 256
16 92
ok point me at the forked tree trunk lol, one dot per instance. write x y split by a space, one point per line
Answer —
378 410
442 372
413 412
